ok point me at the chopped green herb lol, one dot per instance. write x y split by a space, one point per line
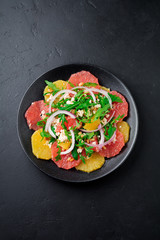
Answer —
82 158
89 150
101 112
52 140
53 130
46 93
52 85
45 134
89 84
75 153
115 98
109 131
89 135
63 120
71 84
117 119
58 157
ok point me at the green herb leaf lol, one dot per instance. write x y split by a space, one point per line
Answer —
41 123
75 153
101 112
115 98
109 132
52 140
89 84
45 134
53 130
52 85
63 120
89 150
71 84
46 93
89 135
117 119
82 158
58 157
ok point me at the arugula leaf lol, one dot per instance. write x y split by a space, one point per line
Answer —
109 132
52 85
68 107
75 153
52 140
49 114
58 157
117 119
82 158
46 93
71 84
41 123
89 150
89 135
90 84
45 134
79 95
103 100
101 112
115 98
63 120
53 130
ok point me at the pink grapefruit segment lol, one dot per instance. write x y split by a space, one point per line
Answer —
66 161
113 148
82 77
35 113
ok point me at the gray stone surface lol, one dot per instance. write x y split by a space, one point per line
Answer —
121 36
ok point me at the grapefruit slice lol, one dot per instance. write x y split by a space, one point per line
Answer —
113 148
71 122
82 77
124 128
40 147
48 91
93 163
120 108
66 161
35 113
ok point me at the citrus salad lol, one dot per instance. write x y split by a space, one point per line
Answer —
78 123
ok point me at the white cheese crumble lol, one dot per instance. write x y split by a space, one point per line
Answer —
98 106
62 136
66 95
79 150
80 113
104 121
43 115
90 101
55 122
69 102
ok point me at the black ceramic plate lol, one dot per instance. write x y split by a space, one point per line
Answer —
35 92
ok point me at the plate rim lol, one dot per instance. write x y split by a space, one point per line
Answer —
135 132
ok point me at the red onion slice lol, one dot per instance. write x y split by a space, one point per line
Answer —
72 145
102 136
87 89
100 126
57 94
103 144
50 119
105 93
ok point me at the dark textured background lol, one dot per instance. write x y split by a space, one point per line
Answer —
122 36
